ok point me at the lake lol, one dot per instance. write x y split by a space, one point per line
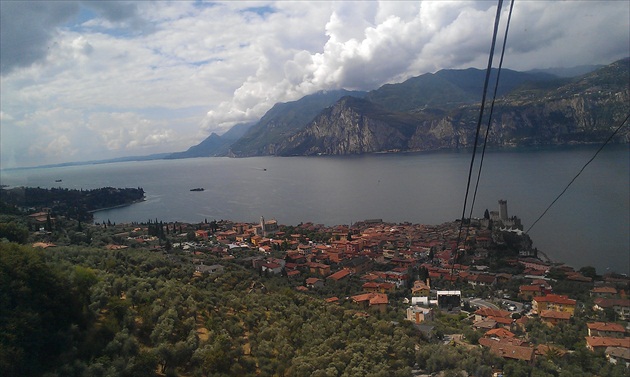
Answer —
589 225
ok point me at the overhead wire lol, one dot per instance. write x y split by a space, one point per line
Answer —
494 97
483 100
485 89
580 172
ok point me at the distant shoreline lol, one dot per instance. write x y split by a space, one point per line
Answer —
116 206
504 148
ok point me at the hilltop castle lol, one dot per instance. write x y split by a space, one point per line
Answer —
500 220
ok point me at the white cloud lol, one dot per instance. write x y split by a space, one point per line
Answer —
5 116
128 130
135 77
60 146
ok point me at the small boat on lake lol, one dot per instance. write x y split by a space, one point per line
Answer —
197 189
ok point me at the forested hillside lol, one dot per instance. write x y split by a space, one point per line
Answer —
92 312
75 204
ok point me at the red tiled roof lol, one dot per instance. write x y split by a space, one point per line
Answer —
544 349
502 320
608 290
339 275
379 298
507 350
603 341
312 281
534 288
604 326
500 332
372 298
610 302
489 312
556 299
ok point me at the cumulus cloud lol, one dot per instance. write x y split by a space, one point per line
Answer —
128 130
116 77
5 116
370 44
57 147
366 45
45 135
27 29
116 11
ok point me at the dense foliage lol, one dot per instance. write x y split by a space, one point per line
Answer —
138 313
75 204
41 311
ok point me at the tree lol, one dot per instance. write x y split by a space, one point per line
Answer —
190 236
48 223
38 310
589 271
486 215
143 365
14 232
84 278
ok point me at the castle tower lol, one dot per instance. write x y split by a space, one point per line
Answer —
262 226
503 213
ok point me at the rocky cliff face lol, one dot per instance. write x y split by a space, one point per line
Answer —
553 112
283 121
586 110
351 126
348 128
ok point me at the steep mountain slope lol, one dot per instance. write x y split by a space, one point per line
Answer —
284 120
448 89
214 145
436 111
537 112
351 126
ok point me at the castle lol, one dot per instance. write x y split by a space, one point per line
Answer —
500 219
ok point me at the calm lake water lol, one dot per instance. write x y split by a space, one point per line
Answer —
589 225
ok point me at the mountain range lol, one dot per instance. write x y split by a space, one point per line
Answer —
438 111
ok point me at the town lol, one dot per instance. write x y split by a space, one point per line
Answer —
477 284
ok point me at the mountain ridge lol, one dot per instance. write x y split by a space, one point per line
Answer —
535 110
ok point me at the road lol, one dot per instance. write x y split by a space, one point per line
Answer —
483 303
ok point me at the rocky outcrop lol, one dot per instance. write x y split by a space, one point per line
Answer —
553 112
282 121
351 126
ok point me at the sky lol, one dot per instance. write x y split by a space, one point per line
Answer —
92 80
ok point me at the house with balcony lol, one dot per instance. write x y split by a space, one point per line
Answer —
558 303
554 318
378 301
420 289
605 292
